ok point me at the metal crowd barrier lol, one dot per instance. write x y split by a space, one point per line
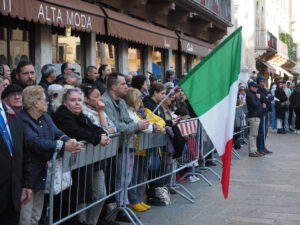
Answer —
120 172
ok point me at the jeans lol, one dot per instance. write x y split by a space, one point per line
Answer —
286 121
262 133
274 127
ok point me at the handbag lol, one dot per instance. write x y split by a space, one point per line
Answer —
61 180
283 104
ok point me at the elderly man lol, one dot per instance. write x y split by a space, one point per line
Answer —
48 76
12 96
14 165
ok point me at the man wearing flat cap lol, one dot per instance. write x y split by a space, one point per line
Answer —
12 96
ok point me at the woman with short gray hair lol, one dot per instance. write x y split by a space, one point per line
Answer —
42 139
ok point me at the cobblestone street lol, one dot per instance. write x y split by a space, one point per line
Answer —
263 190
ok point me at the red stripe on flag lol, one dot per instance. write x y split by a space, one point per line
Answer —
186 128
226 158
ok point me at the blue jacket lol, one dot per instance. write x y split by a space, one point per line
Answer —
40 140
254 105
264 98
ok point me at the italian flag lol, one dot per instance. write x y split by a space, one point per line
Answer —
211 88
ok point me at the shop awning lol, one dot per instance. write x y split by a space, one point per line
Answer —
194 46
76 14
271 68
131 29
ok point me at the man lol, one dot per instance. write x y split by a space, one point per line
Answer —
12 96
66 69
72 79
91 77
254 114
170 77
288 93
14 170
48 76
7 71
104 71
265 99
116 109
128 79
25 75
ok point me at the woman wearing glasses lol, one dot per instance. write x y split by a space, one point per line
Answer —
42 139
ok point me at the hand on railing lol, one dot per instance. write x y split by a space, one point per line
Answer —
74 146
144 124
176 121
105 140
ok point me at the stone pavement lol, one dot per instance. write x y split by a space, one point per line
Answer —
262 190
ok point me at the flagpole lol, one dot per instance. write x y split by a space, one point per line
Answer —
157 107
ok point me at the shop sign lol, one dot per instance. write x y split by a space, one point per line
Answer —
189 47
64 16
6 5
166 44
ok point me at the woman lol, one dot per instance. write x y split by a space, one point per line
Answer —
137 112
73 122
139 82
151 102
93 108
295 102
42 139
280 107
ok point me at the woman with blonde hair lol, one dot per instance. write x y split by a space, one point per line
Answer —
137 112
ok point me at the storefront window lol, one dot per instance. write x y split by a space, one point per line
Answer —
157 63
196 60
173 67
106 54
19 46
66 48
3 45
134 60
184 64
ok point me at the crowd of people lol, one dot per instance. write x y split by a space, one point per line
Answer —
61 112
280 105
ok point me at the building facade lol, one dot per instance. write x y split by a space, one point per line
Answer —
131 36
263 51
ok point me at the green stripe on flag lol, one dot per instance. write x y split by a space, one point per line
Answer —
210 81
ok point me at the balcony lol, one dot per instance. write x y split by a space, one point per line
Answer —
272 50
220 7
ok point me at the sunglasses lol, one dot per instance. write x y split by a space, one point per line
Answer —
72 69
70 91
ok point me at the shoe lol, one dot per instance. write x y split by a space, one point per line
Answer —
107 222
254 154
138 207
145 205
266 151
192 179
155 202
172 192
237 146
121 216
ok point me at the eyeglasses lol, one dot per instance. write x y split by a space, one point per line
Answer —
72 69
15 94
43 99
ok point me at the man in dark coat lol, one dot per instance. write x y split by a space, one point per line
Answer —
13 165
265 99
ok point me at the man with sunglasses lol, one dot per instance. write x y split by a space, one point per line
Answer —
67 69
